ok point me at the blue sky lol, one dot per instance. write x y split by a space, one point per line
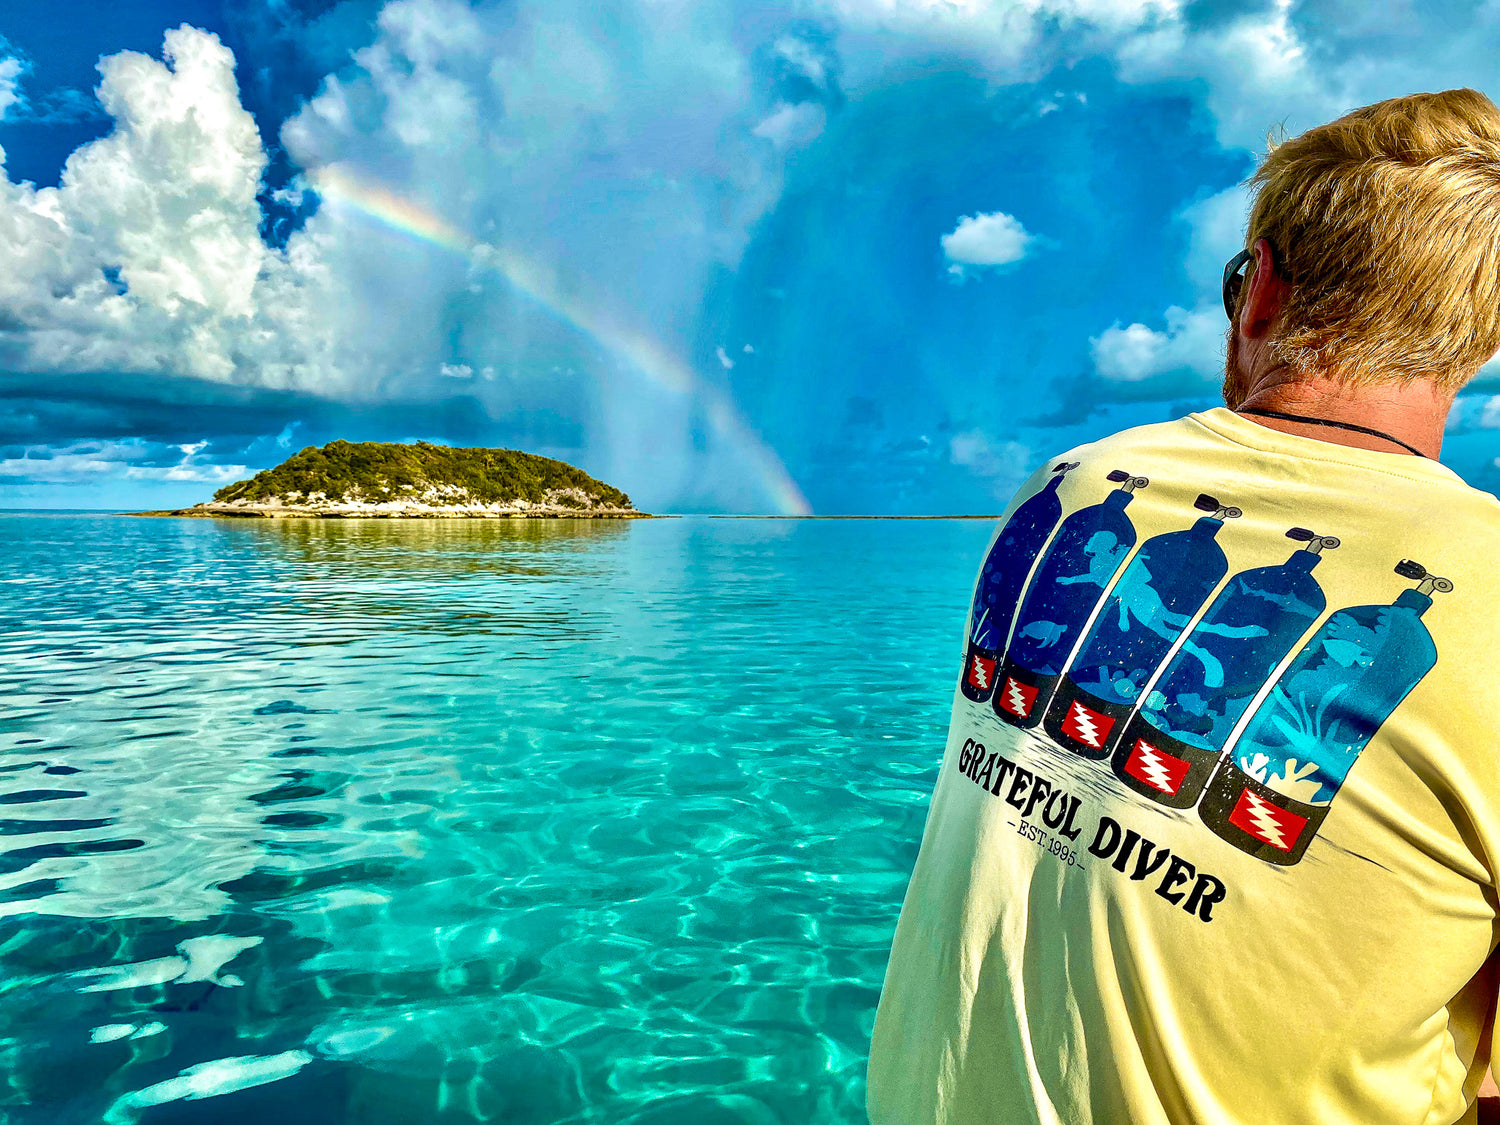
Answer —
875 256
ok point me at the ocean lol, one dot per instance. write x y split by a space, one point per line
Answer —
534 822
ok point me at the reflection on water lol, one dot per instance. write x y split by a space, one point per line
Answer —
452 546
460 821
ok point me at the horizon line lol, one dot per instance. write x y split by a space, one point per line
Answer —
672 515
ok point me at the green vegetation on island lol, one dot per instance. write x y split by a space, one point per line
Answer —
374 472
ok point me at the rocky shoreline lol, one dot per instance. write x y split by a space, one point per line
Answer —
396 509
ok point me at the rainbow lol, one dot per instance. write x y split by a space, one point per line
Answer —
339 185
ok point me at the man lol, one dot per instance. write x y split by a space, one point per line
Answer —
1216 836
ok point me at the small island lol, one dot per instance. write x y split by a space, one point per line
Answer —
391 480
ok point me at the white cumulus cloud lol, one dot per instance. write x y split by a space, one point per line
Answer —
790 126
1257 65
1193 341
985 241
165 205
804 58
1489 409
1216 232
11 69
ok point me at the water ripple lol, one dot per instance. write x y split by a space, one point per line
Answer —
535 822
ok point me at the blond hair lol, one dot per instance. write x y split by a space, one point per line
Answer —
1387 224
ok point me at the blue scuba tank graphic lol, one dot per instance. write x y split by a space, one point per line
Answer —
1083 556
1165 584
1000 581
1170 747
1273 790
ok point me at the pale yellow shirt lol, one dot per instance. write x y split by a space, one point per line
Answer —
1039 976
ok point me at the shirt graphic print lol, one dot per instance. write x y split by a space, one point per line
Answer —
1095 660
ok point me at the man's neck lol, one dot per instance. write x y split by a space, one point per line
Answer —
1413 413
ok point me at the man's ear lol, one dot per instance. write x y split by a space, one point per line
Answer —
1265 294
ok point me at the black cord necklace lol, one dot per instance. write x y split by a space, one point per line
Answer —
1330 422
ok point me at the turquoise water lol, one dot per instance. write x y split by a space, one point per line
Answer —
532 822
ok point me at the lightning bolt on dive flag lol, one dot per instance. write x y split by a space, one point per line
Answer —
1158 769
1017 697
981 672
1266 822
1087 726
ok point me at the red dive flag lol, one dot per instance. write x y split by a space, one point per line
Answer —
1017 697
1157 768
1268 823
981 673
1087 726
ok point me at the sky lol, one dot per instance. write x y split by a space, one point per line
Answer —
832 256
